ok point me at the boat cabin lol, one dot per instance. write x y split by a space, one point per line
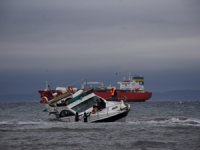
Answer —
135 83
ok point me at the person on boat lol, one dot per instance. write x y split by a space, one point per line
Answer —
95 109
85 116
76 117
113 93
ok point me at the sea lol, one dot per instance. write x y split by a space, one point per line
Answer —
173 125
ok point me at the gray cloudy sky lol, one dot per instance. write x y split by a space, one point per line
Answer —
68 40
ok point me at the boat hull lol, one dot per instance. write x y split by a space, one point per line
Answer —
128 96
113 118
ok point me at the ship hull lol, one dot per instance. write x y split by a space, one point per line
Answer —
128 96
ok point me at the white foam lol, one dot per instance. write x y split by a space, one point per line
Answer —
187 121
169 121
20 122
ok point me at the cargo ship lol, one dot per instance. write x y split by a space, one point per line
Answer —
131 90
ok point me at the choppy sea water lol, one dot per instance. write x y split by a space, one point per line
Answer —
149 126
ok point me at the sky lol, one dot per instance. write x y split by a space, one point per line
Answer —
68 41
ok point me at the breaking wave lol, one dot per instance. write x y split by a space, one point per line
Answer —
154 121
21 125
52 125
170 121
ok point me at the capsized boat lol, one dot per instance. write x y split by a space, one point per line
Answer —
86 106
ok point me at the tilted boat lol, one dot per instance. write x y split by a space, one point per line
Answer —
131 90
86 106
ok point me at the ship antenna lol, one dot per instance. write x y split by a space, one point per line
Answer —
47 85
86 83
129 76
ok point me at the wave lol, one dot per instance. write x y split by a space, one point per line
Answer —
170 121
17 125
49 125
188 121
20 122
58 125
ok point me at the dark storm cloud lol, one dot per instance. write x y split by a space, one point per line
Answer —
100 36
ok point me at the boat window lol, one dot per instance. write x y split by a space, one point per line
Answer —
65 113
86 104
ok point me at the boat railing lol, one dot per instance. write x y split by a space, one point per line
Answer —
56 99
124 98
